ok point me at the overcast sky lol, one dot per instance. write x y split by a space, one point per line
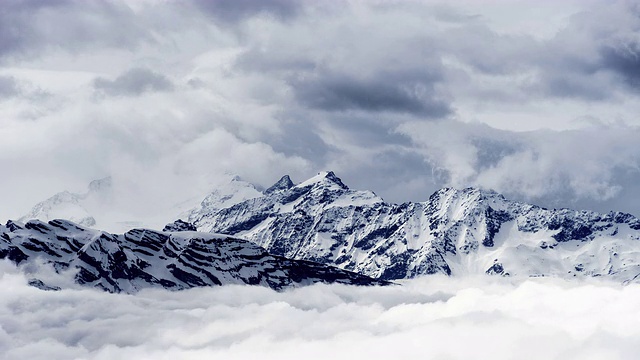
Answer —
535 99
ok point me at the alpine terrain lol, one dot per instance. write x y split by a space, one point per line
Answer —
143 258
104 207
454 232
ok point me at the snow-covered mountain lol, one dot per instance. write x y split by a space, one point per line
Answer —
72 206
454 232
104 207
143 258
224 196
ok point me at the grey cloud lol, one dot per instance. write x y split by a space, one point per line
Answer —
624 60
365 130
8 87
556 169
339 83
385 91
488 52
350 72
397 174
29 27
16 32
300 137
576 63
491 150
256 59
134 82
579 60
231 11
572 85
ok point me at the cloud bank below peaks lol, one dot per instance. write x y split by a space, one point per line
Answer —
429 317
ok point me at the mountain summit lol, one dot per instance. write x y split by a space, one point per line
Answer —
456 231
72 206
284 183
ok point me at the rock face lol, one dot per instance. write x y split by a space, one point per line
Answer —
180 225
145 258
454 232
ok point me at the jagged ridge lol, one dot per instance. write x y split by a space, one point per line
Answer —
143 258
454 232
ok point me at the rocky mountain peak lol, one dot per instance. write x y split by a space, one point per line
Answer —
324 179
456 231
284 183
179 225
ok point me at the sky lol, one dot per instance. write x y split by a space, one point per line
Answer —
535 99
433 318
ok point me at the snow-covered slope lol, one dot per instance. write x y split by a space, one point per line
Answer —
71 206
454 232
105 207
224 196
143 258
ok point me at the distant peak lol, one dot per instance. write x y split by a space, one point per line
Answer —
284 183
468 192
100 184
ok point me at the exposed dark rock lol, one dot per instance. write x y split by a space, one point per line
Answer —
284 183
42 286
174 260
323 220
497 269
180 225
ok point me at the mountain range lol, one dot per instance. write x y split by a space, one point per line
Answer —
142 258
455 232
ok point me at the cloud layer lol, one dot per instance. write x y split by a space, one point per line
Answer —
398 97
432 317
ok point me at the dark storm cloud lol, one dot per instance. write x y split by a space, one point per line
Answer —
231 11
27 27
490 151
402 92
300 138
589 59
624 60
134 82
8 87
16 32
363 130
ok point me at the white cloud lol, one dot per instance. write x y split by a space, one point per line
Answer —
297 88
432 317
573 164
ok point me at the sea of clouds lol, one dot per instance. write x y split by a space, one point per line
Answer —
428 318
